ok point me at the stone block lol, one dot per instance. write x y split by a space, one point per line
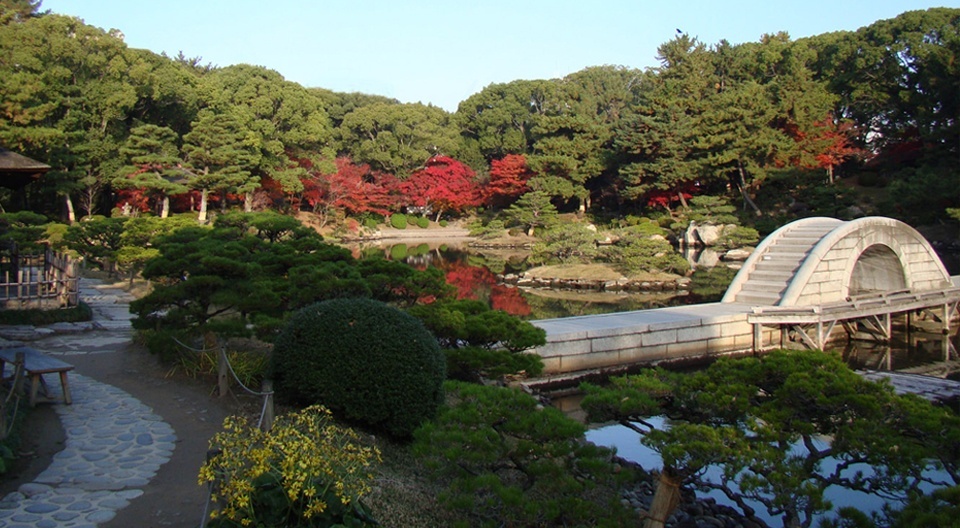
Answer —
662 337
564 348
643 354
594 360
621 342
697 333
736 328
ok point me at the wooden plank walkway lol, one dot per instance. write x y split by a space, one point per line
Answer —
874 309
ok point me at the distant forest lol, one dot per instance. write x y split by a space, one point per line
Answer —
779 127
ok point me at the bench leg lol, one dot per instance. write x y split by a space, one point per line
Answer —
66 388
35 380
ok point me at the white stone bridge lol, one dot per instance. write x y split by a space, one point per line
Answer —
800 282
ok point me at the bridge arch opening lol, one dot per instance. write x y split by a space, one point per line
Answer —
877 269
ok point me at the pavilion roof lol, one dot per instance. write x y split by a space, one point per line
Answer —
12 162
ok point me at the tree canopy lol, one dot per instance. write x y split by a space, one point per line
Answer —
709 119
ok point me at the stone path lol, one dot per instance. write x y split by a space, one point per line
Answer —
114 443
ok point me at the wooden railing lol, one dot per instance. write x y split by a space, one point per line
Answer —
47 280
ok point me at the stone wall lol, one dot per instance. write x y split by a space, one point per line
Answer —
667 334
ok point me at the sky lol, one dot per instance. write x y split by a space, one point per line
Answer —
441 52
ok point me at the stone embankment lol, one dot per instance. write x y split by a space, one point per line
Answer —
692 511
619 285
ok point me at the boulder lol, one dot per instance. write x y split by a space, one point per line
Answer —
737 255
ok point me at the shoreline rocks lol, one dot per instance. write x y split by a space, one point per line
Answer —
622 284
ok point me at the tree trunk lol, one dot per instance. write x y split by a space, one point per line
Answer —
742 184
202 218
665 499
830 174
71 215
248 202
165 207
683 201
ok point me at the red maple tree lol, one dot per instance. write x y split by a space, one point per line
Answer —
508 180
444 184
827 145
352 188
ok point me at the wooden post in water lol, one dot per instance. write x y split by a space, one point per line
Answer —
665 498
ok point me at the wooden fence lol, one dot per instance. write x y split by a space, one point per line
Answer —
44 281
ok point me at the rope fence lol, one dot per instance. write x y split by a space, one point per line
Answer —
267 412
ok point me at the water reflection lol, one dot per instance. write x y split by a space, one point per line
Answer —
475 275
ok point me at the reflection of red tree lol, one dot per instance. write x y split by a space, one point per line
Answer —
470 281
508 299
477 282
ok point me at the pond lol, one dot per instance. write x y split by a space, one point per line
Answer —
474 274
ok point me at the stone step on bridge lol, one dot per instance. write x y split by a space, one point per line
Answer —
805 280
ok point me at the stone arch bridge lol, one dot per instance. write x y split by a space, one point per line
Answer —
801 283
823 260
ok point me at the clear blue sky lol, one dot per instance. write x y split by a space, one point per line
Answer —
443 51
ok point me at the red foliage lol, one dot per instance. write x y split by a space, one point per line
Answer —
508 299
837 144
135 197
479 283
470 281
666 197
508 180
444 184
353 188
188 201
827 145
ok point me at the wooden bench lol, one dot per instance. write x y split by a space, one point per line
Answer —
35 365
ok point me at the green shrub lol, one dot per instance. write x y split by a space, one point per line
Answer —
399 252
512 462
368 362
636 254
738 237
565 243
493 229
443 223
423 222
370 223
37 317
398 221
480 342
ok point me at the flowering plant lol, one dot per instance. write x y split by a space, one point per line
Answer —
306 471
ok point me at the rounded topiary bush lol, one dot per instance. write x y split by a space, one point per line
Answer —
423 222
366 361
398 221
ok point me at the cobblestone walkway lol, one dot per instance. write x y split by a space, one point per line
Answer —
114 443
